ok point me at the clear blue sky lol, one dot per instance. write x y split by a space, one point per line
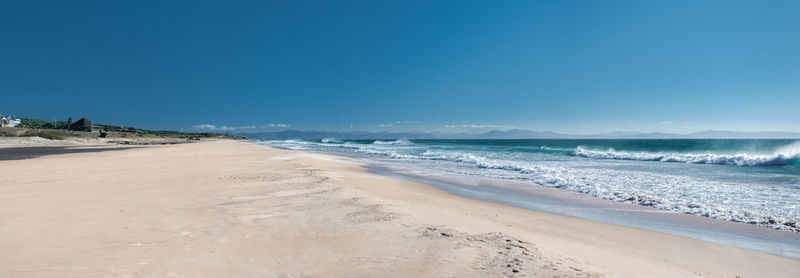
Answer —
569 66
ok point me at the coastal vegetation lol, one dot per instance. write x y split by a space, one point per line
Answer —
42 134
84 129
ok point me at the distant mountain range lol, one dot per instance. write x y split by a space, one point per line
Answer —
519 134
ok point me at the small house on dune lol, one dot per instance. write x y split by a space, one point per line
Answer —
83 124
9 122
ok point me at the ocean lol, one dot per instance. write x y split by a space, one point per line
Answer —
748 181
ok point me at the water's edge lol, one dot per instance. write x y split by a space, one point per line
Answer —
567 203
733 180
584 206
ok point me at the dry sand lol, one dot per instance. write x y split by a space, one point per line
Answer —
232 209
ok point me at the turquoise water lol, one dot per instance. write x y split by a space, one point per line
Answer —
749 181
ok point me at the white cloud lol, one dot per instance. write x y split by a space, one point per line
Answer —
275 125
666 123
205 126
464 126
398 124
211 127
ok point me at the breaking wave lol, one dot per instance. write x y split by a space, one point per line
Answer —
395 142
784 156
331 140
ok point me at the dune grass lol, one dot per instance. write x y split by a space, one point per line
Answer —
43 134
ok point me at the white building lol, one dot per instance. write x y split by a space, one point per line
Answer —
9 122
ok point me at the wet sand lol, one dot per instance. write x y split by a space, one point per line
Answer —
574 204
16 153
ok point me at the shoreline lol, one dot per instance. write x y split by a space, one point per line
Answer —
234 209
578 205
530 195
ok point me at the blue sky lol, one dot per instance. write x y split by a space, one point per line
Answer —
568 66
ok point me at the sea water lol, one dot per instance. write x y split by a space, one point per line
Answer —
749 181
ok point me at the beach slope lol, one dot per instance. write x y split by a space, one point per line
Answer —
235 209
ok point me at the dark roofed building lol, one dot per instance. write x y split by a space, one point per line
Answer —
83 124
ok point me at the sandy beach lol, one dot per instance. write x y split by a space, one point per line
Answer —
236 209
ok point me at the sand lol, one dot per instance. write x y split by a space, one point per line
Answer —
235 209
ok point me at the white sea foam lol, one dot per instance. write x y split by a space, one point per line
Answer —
787 155
732 201
331 140
395 142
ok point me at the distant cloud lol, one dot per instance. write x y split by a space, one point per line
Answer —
275 125
210 127
396 124
213 127
407 122
666 123
205 126
463 126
